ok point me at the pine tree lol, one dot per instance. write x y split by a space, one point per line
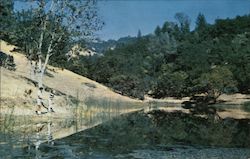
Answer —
166 27
158 31
201 22
184 22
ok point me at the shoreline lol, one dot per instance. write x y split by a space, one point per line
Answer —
227 109
9 105
227 99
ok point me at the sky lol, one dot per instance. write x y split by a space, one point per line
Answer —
125 17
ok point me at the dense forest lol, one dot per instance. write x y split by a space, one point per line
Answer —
172 61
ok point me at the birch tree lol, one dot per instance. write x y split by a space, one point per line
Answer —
56 18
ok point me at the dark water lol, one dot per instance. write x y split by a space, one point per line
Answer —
137 135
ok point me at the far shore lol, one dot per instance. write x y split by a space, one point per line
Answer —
231 99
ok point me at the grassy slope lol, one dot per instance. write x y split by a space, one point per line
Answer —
13 85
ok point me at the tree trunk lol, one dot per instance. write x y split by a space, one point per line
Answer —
32 70
41 68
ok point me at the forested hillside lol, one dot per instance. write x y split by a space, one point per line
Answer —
175 61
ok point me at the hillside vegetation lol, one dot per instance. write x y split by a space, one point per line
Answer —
174 61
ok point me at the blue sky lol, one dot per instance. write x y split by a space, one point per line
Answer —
126 17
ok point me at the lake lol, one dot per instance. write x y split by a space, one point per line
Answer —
135 134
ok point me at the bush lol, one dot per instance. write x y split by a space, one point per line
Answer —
7 61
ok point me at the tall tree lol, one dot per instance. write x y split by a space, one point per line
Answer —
54 18
158 30
184 22
168 27
201 23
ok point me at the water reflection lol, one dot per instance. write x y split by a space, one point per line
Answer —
40 137
157 134
22 136
118 138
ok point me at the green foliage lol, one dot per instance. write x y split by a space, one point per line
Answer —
127 85
121 68
184 22
177 62
7 61
157 31
6 18
201 23
170 84
219 80
239 60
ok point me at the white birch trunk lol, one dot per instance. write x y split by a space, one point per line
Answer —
50 101
40 56
39 77
32 71
41 68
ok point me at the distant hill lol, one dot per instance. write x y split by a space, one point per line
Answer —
101 46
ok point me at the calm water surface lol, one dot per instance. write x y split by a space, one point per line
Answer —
21 137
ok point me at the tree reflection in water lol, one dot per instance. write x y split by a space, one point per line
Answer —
39 139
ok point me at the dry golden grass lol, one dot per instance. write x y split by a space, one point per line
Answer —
13 85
